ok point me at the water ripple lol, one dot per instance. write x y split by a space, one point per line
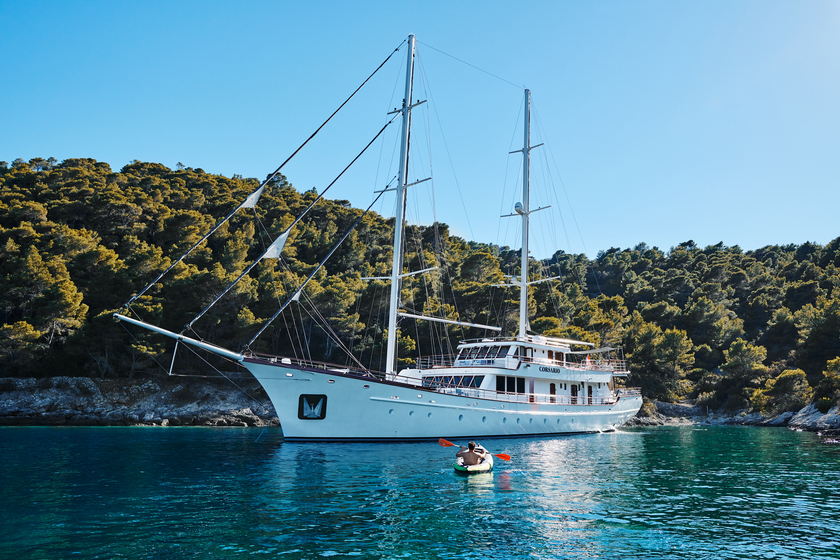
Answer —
663 493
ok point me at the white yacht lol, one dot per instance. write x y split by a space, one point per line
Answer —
523 385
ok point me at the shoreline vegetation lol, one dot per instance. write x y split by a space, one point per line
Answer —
744 334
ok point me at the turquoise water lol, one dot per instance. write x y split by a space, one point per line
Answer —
688 492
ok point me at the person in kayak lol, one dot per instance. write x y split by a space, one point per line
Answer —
470 455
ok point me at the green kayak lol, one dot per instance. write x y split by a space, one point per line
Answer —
486 464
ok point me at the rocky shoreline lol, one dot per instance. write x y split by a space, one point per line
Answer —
165 401
240 401
808 419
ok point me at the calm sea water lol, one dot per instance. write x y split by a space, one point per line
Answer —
687 492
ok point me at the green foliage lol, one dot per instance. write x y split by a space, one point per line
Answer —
659 359
19 346
744 362
825 404
744 372
788 391
648 409
827 392
77 239
819 333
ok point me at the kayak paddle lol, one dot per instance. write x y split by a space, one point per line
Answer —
445 443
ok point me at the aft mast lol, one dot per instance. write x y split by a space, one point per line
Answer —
396 271
524 211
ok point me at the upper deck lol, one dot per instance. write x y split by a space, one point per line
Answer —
510 353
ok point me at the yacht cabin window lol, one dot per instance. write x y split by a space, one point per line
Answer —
510 384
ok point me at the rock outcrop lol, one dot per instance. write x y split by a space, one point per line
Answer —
809 418
172 401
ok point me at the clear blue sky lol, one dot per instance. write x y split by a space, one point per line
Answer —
665 121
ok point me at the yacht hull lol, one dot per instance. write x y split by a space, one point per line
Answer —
324 405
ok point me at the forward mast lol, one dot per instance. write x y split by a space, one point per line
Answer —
396 270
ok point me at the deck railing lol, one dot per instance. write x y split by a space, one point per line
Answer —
536 398
511 362
448 361
310 364
439 361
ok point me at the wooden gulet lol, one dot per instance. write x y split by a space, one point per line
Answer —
525 385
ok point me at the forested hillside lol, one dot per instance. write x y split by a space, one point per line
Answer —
727 327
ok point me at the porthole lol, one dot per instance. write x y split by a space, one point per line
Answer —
367 386
330 380
411 413
288 375
504 420
419 396
391 411
429 415
530 420
517 420
460 417
484 419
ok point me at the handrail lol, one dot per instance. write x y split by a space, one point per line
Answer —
311 364
531 398
449 360
562 343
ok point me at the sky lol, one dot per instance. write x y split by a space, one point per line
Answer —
663 121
